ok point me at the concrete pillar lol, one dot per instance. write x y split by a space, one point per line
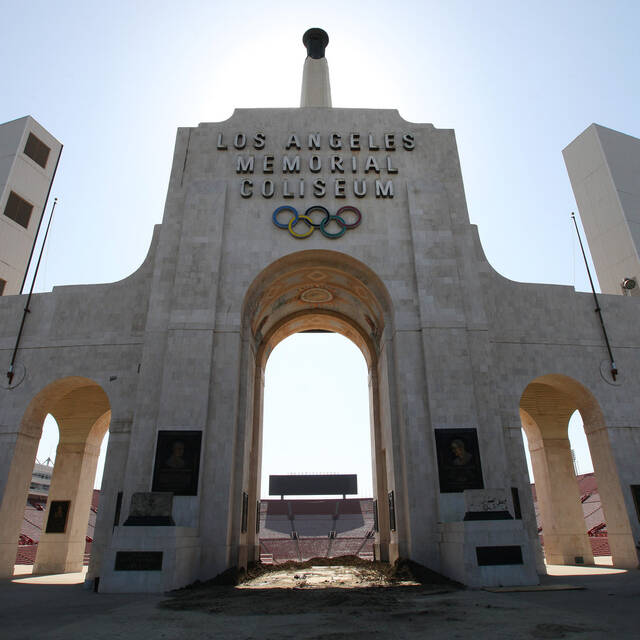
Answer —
255 464
563 528
73 477
19 453
623 549
520 480
112 483
379 469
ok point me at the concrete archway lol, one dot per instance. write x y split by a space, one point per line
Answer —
546 406
333 292
82 411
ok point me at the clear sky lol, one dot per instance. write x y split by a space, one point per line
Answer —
517 81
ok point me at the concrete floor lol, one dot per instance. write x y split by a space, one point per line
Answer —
607 607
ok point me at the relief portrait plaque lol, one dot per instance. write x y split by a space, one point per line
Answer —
57 520
458 460
177 462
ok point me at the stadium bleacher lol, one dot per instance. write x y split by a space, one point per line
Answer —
324 529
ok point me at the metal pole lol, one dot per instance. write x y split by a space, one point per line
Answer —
11 372
614 369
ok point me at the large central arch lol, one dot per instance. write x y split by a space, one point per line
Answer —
330 291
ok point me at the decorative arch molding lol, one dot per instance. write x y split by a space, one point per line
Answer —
318 284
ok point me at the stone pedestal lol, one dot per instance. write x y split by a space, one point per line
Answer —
487 553
132 563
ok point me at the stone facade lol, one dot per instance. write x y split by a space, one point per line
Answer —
181 345
604 168
29 156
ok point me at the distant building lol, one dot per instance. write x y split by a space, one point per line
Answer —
41 480
29 155
604 169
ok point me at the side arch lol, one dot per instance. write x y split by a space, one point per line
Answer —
546 406
82 411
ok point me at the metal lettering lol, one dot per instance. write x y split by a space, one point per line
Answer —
293 142
336 164
354 141
390 167
243 188
372 145
220 144
384 189
335 141
339 187
359 188
408 142
301 188
244 165
240 141
389 142
319 188
291 165
285 190
259 140
315 164
267 164
354 164
371 164
314 141
267 189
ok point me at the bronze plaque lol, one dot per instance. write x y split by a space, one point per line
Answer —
138 561
458 460
493 556
57 520
177 462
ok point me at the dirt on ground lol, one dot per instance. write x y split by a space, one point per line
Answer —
318 585
340 598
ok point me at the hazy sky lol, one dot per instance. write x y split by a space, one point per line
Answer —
517 81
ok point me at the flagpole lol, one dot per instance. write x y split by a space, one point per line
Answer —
11 371
614 369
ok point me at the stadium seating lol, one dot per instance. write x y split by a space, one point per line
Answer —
313 521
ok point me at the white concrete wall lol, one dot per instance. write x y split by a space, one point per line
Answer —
24 176
604 169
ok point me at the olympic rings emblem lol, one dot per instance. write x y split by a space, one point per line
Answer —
313 222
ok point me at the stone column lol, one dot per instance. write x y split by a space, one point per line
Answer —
18 452
255 463
73 477
563 528
623 549
379 468
112 483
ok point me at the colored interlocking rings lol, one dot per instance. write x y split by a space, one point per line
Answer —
308 219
